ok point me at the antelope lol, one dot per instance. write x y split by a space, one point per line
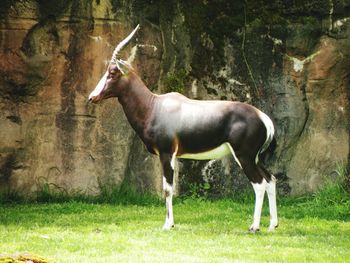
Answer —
174 126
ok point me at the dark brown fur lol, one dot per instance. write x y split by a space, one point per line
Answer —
171 122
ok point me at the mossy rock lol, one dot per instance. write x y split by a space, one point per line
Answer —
175 81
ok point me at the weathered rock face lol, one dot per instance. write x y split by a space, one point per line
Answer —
288 59
322 142
291 60
50 60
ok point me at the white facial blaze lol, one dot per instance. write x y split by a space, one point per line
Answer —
99 88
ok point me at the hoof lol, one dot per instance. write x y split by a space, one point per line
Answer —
254 230
272 228
168 227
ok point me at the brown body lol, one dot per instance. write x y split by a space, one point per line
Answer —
172 123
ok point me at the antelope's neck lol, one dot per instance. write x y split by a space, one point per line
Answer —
137 102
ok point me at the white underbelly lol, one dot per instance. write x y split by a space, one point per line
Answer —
216 153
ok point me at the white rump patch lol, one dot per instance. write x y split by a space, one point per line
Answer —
270 132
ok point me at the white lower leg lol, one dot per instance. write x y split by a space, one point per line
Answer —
169 218
271 193
259 190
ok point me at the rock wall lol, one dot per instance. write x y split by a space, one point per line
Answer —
51 58
289 59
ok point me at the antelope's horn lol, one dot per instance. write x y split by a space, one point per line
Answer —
122 44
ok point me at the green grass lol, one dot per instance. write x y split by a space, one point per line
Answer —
122 225
205 231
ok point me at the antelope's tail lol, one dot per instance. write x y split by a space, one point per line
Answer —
267 154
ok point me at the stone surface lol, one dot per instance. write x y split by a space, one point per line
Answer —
289 58
49 134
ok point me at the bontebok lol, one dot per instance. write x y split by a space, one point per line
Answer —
173 126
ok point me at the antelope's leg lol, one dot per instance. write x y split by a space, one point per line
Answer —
256 177
271 193
259 189
168 190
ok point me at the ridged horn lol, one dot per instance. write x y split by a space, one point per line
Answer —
122 44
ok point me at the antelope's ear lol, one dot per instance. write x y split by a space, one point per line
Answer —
123 66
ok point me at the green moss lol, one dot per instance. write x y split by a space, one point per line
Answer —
309 20
175 81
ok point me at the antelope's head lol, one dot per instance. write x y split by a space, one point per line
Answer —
108 85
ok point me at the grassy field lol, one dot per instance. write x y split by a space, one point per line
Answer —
312 229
